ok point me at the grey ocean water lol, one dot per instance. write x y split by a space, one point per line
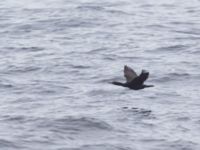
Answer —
57 58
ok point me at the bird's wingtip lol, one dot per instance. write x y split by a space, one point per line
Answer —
144 71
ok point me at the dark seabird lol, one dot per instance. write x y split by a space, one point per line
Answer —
133 81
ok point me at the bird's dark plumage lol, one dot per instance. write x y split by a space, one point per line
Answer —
133 81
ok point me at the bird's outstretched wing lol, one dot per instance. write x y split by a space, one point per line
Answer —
139 80
143 76
129 74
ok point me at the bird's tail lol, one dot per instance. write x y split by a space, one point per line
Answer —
146 86
118 83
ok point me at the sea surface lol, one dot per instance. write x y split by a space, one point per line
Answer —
58 57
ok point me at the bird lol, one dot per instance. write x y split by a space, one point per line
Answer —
133 81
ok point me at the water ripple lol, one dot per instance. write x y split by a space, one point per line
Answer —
58 57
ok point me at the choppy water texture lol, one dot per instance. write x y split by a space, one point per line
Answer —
57 58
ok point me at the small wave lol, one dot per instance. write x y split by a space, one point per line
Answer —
142 111
117 12
172 77
145 6
5 84
75 124
5 144
182 23
109 58
74 23
32 49
121 57
158 26
179 145
168 6
80 66
61 124
90 8
172 48
22 69
100 147
23 49
18 118
192 32
86 123
175 74
97 51
196 51
183 118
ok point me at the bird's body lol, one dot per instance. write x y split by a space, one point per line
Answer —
133 81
